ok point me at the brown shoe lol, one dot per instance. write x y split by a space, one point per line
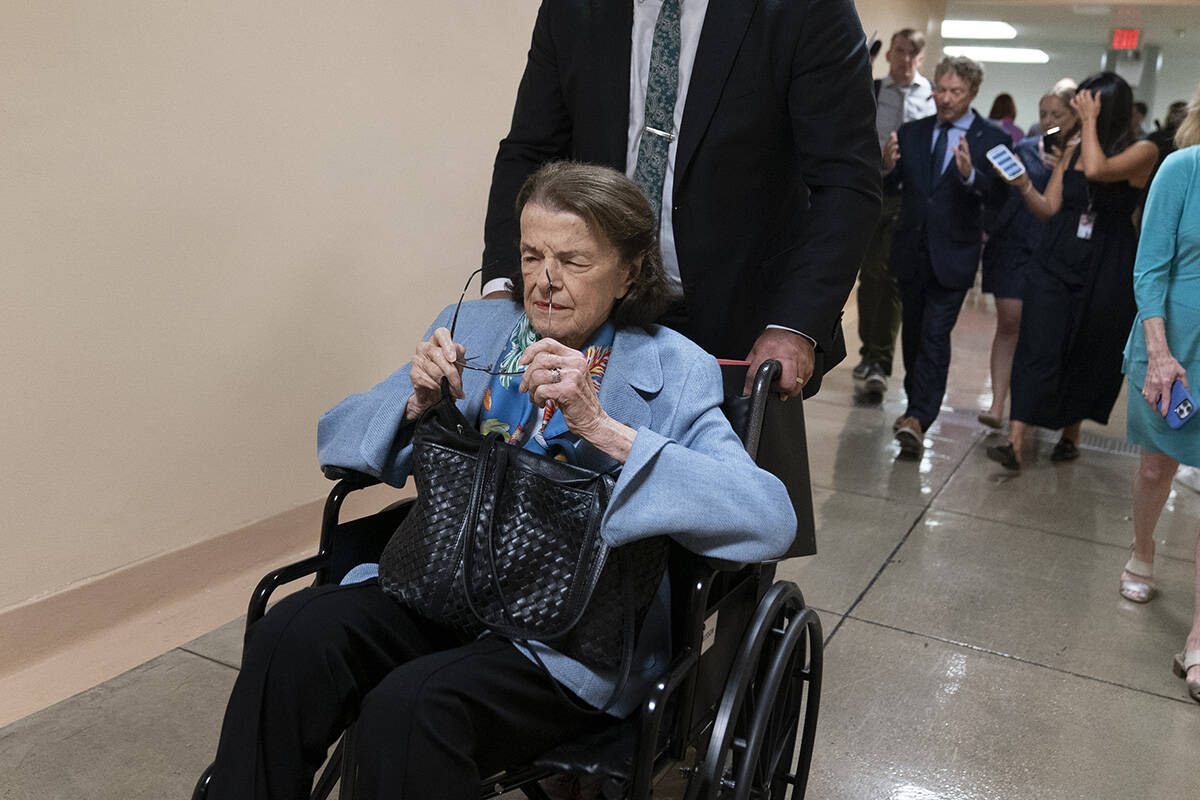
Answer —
898 422
910 436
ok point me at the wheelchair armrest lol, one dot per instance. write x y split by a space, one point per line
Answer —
273 580
354 478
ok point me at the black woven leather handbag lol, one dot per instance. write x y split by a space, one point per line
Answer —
507 540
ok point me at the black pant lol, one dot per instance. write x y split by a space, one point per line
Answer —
930 311
435 715
879 306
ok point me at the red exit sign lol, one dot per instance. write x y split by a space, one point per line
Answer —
1125 39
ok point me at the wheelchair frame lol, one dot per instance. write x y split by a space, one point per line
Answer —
741 694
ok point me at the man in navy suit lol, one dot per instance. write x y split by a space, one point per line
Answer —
946 183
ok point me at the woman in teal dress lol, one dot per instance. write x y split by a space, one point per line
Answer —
1164 347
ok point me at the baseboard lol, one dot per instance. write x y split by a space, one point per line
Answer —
61 644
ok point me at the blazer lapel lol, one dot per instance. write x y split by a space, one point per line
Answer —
486 342
924 159
634 367
725 24
611 26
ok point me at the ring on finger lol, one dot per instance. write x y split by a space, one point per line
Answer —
557 374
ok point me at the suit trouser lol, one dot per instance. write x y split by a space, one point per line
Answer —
434 715
879 307
930 311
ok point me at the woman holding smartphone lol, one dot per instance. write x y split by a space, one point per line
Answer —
1163 349
1013 238
1078 303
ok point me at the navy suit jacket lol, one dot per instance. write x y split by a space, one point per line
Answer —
777 169
947 217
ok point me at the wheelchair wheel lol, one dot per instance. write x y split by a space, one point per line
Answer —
774 681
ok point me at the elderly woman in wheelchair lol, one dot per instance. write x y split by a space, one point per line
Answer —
573 369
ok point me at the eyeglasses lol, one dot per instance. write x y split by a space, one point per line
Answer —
454 323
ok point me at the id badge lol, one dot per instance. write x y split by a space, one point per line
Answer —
1087 221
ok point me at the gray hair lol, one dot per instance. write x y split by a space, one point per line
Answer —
616 212
964 68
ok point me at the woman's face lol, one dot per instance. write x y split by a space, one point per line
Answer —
585 274
1054 113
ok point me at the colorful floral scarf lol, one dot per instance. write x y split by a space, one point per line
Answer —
507 410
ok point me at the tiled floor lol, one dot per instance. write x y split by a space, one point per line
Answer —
977 646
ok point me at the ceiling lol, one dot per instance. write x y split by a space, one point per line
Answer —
1040 24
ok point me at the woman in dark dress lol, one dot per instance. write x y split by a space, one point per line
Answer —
1079 302
1014 236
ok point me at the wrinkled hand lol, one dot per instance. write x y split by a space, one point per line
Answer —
891 153
437 358
1086 105
1161 373
555 372
962 157
795 355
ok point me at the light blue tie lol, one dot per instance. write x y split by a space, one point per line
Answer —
662 88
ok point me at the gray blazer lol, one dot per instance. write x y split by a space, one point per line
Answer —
687 475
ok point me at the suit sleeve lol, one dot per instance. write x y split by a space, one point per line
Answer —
540 131
693 481
832 110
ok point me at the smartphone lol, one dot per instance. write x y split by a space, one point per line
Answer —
1183 408
1050 138
1003 159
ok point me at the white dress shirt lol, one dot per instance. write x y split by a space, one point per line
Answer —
691 21
896 105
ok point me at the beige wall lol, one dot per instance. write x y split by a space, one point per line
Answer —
216 219
885 17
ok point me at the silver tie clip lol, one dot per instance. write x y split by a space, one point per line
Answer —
670 137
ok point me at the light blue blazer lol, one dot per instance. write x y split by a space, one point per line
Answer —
687 476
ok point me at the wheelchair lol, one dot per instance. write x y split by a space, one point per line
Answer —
737 707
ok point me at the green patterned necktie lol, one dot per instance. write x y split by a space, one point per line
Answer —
662 88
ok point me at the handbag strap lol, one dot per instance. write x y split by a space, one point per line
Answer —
494 449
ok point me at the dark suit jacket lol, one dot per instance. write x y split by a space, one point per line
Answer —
947 217
777 170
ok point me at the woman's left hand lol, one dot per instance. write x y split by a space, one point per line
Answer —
555 372
1086 105
1161 373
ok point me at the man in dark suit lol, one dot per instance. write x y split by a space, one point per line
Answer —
766 177
947 182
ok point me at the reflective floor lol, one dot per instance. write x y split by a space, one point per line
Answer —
977 647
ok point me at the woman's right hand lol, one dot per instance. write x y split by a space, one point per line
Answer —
1162 371
437 358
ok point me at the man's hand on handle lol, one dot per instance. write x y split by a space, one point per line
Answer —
795 355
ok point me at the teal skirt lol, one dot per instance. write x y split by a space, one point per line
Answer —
1151 432
1143 426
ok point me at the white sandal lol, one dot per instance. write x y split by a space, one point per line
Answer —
1137 581
1180 665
